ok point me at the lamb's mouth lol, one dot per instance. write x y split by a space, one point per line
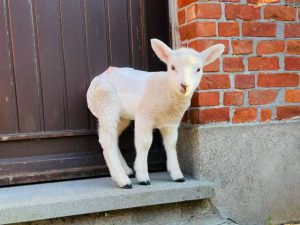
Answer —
184 91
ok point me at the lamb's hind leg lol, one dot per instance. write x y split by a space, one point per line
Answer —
108 139
122 125
108 111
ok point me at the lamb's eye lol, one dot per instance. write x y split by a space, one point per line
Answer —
173 67
198 70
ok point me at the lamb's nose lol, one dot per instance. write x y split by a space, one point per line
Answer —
184 86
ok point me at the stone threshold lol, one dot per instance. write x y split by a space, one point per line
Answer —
78 197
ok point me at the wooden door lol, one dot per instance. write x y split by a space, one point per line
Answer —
50 51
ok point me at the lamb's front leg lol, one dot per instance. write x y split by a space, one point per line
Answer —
170 135
143 140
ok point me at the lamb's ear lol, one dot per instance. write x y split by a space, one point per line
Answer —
211 54
161 50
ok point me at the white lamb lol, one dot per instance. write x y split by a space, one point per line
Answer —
153 100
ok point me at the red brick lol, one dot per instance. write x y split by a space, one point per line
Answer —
262 97
293 47
261 63
259 29
205 99
265 115
181 17
292 63
202 44
280 12
194 116
204 11
209 115
197 29
213 67
278 80
185 117
183 3
244 81
288 112
292 95
242 115
233 64
234 98
292 30
219 81
259 2
242 46
228 29
269 47
229 0
245 12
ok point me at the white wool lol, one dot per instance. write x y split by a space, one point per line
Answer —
153 100
130 85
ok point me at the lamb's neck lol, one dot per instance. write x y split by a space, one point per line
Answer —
179 100
172 106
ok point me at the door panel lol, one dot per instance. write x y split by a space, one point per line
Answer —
74 63
25 65
96 37
51 67
7 98
50 52
157 26
118 32
138 49
96 41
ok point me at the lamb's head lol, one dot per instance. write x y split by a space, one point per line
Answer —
185 65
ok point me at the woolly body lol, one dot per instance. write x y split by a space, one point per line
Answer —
141 92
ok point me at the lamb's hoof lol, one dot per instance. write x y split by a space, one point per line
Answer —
180 180
131 175
127 186
145 182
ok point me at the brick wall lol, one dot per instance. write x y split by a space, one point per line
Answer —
257 77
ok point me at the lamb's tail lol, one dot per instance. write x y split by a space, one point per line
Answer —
91 97
97 92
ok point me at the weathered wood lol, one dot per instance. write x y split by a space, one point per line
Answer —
48 146
52 79
50 51
51 164
135 12
119 28
76 84
8 118
96 39
157 27
25 65
47 134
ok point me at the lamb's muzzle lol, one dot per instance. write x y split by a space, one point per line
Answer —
152 100
184 87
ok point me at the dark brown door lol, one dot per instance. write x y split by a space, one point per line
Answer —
49 52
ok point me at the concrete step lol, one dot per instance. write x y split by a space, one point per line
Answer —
73 198
198 212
